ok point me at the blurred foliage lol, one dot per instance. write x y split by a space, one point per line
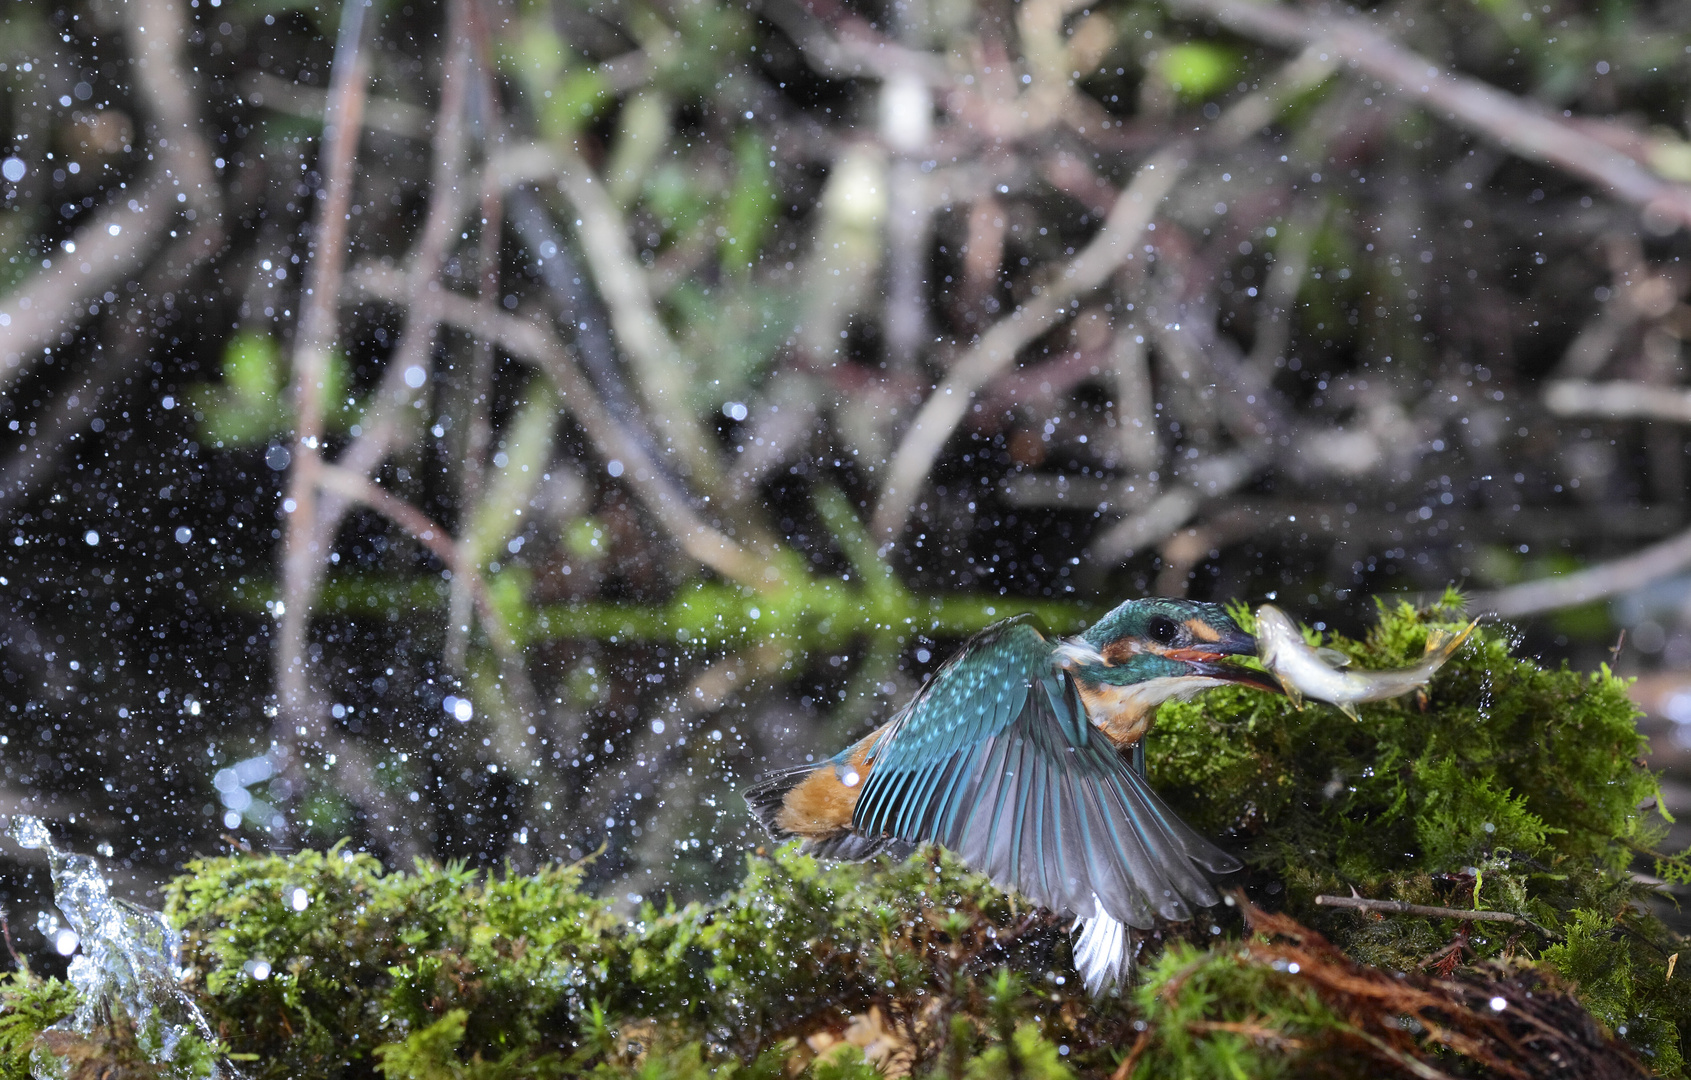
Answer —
1512 788
250 405
1196 70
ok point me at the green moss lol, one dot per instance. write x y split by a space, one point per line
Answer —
1511 788
355 959
1205 1015
28 1006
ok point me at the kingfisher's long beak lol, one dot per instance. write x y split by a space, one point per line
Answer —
1233 673
1206 660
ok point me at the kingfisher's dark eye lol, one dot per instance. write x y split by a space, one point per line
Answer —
1163 631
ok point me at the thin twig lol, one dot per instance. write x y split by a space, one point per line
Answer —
853 51
314 520
1513 123
1400 907
307 102
535 342
102 253
1136 422
356 777
664 373
667 502
1284 282
1213 478
122 238
302 557
512 742
160 29
478 425
391 410
358 488
57 428
1405 1061
1109 249
421 528
1618 401
997 349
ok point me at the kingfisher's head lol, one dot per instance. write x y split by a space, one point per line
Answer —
1158 638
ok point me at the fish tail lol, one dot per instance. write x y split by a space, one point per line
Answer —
1442 644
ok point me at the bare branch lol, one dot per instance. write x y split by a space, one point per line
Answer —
356 777
1136 423
400 387
1518 125
380 114
667 503
1211 479
1284 282
104 252
998 347
664 374
122 238
853 51
361 489
533 341
312 525
1400 907
1618 401
1593 583
58 426
303 554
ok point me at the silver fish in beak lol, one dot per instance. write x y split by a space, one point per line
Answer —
1304 671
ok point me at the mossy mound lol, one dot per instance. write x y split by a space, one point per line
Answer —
1509 788
1506 787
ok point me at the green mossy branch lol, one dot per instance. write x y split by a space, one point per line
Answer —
1509 787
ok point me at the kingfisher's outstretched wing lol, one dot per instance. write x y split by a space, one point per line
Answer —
996 760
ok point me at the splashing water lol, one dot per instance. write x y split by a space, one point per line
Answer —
127 965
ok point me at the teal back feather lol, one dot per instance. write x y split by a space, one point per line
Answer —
996 759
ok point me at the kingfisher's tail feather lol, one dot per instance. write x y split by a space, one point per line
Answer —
1103 954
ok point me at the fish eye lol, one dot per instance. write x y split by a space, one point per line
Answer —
1162 630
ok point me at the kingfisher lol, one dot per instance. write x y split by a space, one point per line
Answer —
1024 755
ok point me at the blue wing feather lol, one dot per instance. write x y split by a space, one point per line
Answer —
996 760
